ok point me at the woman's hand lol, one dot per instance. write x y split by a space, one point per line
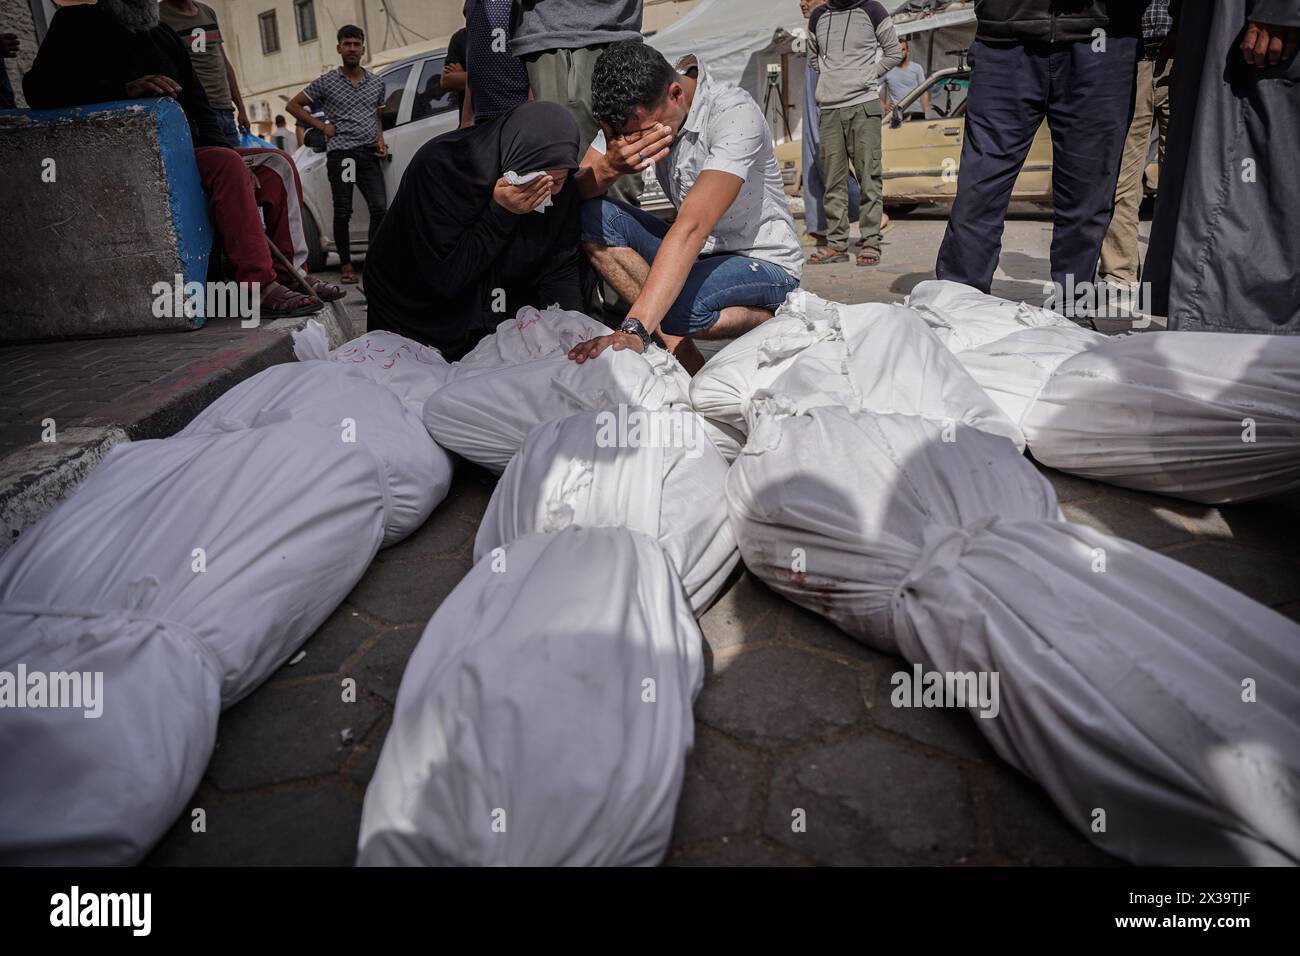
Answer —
593 347
522 199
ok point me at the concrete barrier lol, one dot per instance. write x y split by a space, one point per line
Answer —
101 204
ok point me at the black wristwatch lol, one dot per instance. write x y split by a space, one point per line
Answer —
633 326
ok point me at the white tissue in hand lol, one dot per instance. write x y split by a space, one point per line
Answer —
514 179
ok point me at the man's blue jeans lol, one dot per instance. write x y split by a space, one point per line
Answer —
715 281
226 120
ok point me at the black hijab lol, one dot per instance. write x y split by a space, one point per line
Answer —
419 281
466 163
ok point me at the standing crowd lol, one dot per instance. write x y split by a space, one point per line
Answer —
533 199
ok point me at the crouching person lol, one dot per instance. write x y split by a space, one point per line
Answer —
732 255
118 49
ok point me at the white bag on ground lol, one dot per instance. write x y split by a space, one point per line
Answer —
410 370
343 401
1120 670
545 716
655 472
531 334
877 357
185 571
1207 416
485 417
1210 417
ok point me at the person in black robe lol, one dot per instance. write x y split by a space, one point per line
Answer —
461 249
1225 246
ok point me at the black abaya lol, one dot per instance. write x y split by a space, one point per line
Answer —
449 264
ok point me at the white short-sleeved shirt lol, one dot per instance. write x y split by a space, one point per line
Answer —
726 130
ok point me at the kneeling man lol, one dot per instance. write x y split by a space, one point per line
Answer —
732 254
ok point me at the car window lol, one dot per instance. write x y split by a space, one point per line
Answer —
394 91
430 97
948 94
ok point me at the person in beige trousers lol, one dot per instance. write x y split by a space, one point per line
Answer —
1120 255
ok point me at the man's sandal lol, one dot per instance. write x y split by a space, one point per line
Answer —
279 302
826 255
869 257
325 291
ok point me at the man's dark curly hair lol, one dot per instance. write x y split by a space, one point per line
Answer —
629 74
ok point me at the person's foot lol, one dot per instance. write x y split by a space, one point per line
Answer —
349 274
815 239
868 257
325 291
827 255
279 302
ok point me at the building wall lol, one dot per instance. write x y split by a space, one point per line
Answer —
267 80
16 18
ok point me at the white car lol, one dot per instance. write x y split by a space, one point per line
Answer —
416 109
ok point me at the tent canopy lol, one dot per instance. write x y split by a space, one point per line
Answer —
739 39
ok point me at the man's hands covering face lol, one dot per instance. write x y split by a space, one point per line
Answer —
633 152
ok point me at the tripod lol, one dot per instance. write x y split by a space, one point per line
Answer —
774 90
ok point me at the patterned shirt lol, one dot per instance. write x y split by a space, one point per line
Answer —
352 108
725 129
1156 21
497 79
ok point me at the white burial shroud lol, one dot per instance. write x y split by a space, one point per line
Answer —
655 472
874 356
536 726
485 417
410 370
184 571
1128 683
342 400
1206 416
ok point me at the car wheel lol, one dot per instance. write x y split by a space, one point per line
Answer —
316 255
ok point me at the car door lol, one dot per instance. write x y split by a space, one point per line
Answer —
396 79
431 112
920 158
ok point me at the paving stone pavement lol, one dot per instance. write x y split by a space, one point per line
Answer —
793 717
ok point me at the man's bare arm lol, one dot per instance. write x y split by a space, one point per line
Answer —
710 197
240 114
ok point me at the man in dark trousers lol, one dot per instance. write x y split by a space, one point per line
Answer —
353 100
1075 69
559 41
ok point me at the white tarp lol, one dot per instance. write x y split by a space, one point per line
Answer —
344 401
1120 671
1206 416
485 417
873 356
184 572
655 472
545 716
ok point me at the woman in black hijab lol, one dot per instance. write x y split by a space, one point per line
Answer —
460 250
